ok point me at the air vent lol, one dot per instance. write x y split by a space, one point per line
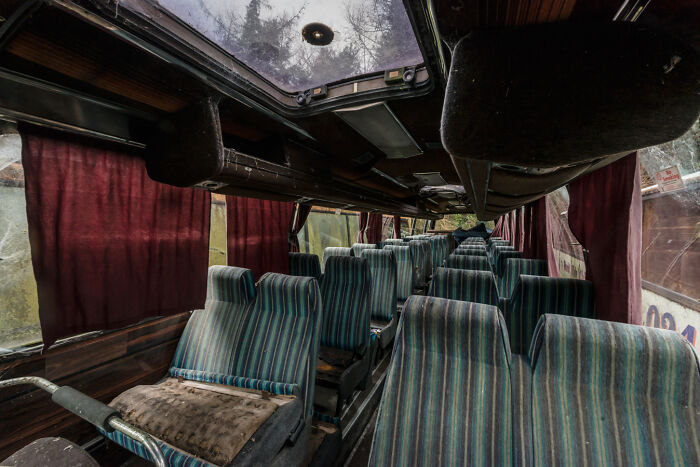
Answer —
378 125
430 178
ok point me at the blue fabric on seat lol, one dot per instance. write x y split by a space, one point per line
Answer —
499 263
404 270
470 252
346 290
447 396
393 241
304 264
610 394
207 341
334 251
382 268
464 285
514 268
534 296
357 248
496 251
420 252
475 263
473 241
173 457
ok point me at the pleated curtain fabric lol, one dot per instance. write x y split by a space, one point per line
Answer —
258 234
605 214
373 232
302 213
110 247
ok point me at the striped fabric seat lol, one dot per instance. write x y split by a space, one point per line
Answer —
393 241
208 340
357 248
268 344
534 296
422 262
334 251
496 251
382 268
493 244
473 241
500 261
514 268
447 397
464 285
382 304
474 263
404 270
470 252
610 394
304 264
435 251
345 290
472 246
279 339
521 377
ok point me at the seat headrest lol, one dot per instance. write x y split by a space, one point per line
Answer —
571 297
230 284
466 330
379 257
603 353
465 285
304 264
473 262
281 293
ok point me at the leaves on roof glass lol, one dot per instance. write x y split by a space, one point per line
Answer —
370 36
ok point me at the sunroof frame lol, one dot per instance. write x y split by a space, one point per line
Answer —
171 35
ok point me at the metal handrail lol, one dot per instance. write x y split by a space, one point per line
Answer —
115 422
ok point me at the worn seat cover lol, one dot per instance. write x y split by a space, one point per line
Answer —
210 425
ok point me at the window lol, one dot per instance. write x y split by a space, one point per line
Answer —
327 227
19 305
217 231
671 237
453 222
368 36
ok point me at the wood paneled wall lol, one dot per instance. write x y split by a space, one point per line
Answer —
102 367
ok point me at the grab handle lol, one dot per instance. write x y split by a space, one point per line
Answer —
94 411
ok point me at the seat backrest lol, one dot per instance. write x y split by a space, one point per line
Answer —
534 296
470 252
496 251
473 241
447 396
514 268
503 256
208 342
345 290
304 264
418 256
475 263
393 241
479 246
382 269
465 285
358 247
334 251
279 338
496 243
611 394
404 270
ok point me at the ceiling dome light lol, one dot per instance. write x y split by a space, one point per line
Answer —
317 34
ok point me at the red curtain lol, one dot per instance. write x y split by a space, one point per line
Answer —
302 213
373 232
605 214
362 226
498 228
110 246
397 226
535 229
258 234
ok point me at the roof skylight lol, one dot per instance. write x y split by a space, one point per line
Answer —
368 36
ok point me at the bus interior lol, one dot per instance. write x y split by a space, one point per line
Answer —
368 232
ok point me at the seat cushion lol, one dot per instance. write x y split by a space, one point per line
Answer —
211 422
